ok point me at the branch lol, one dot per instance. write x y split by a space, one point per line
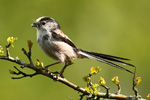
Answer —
62 80
53 75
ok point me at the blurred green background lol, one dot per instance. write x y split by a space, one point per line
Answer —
116 27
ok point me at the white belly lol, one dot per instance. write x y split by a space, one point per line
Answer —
57 50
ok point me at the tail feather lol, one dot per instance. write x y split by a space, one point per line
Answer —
106 56
107 59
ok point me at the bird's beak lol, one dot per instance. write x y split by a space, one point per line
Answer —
34 25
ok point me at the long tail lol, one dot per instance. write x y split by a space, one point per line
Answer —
106 59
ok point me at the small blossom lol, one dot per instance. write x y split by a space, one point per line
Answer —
11 40
30 44
95 93
87 89
98 69
39 64
115 80
148 96
138 80
95 70
1 51
102 81
94 87
93 90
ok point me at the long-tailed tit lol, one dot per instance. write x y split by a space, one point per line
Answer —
58 46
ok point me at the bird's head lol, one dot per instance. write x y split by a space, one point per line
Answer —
46 23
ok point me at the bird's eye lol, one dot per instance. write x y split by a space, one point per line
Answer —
43 23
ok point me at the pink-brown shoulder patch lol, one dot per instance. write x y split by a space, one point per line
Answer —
58 31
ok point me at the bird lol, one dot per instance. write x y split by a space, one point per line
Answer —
55 44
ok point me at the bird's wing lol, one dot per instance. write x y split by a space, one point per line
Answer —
59 35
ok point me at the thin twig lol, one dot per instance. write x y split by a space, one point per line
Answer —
28 54
134 85
107 90
81 96
119 89
7 50
22 73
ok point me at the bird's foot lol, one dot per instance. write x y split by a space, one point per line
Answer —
59 75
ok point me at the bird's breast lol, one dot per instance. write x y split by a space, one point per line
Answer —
46 44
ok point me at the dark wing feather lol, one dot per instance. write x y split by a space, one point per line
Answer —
60 36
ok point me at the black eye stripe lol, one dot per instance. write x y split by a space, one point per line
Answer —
43 22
